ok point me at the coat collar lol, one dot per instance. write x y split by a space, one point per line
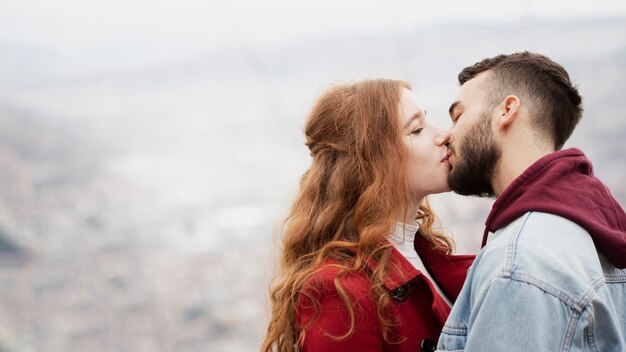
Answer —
402 272
449 271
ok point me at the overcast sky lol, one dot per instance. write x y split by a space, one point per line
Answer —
72 26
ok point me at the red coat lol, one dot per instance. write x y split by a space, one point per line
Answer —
420 309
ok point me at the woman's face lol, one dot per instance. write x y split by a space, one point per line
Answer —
426 144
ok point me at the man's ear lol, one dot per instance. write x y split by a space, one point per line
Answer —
508 111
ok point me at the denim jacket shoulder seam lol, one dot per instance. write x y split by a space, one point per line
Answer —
615 279
512 246
575 313
589 336
577 305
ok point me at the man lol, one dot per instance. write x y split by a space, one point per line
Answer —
549 277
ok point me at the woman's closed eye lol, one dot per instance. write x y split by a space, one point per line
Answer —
417 130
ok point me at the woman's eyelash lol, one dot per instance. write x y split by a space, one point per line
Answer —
417 130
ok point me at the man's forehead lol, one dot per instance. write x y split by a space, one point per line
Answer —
473 87
477 81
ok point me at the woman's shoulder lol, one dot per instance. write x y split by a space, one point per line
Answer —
335 303
330 273
328 290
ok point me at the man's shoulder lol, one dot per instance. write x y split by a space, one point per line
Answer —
544 250
548 272
545 239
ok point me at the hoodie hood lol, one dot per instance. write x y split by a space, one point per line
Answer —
562 183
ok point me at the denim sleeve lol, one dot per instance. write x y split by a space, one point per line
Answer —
508 315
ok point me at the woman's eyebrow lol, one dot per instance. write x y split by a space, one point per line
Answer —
413 117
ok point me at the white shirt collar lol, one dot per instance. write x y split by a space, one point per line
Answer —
403 237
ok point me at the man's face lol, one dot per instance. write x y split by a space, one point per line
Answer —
474 151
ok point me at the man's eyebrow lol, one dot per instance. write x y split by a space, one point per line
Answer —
452 107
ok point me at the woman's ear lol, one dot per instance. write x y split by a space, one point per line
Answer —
508 111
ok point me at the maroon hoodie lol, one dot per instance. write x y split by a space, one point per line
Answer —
562 183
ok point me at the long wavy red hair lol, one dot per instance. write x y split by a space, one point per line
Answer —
349 201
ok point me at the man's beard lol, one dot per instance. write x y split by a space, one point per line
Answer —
472 175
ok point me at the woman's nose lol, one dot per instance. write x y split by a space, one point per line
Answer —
443 137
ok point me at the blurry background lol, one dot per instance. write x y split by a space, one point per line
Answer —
150 149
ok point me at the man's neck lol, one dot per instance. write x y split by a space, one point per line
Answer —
514 160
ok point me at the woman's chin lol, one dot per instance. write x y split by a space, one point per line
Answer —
448 190
445 189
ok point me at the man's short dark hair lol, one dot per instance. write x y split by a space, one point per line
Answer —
554 104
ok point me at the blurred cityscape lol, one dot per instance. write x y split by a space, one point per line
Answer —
140 205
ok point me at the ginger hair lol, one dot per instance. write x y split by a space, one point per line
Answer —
349 201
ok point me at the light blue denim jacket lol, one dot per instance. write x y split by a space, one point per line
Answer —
539 285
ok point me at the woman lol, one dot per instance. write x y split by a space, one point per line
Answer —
351 278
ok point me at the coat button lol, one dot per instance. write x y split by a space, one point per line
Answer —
428 345
400 294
